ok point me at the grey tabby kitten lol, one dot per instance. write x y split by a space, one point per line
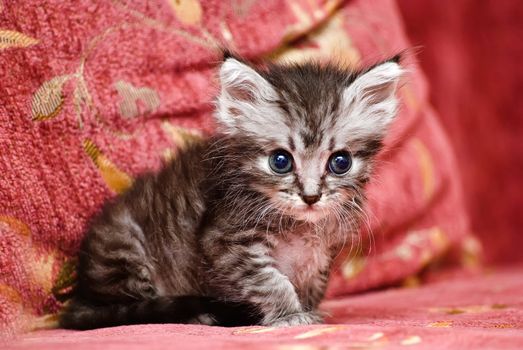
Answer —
242 228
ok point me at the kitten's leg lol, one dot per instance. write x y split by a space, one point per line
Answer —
316 291
246 272
113 261
311 298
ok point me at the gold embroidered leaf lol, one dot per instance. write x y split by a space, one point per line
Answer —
41 269
471 252
117 180
10 294
426 165
131 95
504 325
181 136
48 99
352 267
11 38
45 322
16 225
187 11
411 282
469 309
328 40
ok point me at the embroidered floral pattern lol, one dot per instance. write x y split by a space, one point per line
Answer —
14 39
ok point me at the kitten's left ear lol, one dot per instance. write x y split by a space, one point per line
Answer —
370 101
244 103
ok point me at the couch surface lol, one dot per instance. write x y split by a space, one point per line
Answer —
460 312
94 93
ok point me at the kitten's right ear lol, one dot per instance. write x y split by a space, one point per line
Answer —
370 101
244 94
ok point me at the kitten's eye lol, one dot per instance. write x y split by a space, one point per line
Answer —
280 161
340 162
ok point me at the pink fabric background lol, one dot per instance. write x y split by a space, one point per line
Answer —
472 54
148 69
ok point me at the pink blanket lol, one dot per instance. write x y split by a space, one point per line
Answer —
95 92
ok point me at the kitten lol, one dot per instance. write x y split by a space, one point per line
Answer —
242 228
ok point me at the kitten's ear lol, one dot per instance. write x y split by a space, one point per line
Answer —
370 101
244 96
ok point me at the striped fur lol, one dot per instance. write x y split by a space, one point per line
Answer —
218 238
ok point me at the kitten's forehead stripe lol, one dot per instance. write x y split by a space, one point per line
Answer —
310 95
332 144
292 145
308 138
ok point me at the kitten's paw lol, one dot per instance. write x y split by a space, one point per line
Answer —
203 319
297 319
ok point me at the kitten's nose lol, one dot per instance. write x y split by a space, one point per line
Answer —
310 200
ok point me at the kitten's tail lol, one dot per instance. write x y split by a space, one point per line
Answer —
180 309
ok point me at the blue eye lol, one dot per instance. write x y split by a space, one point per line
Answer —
280 162
340 162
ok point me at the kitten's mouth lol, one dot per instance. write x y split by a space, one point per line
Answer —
310 213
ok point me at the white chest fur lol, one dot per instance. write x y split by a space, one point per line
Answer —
301 258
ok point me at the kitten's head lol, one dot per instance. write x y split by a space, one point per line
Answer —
312 130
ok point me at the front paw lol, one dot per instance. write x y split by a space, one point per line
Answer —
203 319
297 319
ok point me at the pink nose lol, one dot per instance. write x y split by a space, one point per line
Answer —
310 200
